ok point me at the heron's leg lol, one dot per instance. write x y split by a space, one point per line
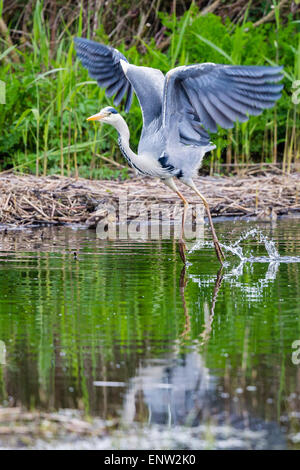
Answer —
171 184
182 247
218 248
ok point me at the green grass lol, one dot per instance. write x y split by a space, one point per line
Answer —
49 95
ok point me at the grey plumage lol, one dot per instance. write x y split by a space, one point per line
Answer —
179 109
103 64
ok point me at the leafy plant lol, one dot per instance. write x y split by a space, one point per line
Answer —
49 93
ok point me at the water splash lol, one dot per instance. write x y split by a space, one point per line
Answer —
253 289
272 253
236 249
270 247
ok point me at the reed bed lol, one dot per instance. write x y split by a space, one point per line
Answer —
26 200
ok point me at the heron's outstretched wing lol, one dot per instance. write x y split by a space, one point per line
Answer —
148 84
210 94
103 64
113 72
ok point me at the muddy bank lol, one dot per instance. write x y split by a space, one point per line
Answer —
28 200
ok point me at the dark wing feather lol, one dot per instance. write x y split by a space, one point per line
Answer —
214 94
103 64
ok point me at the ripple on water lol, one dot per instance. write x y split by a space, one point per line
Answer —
122 331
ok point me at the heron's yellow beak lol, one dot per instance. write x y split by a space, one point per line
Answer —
96 117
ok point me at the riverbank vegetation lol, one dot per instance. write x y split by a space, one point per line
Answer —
49 94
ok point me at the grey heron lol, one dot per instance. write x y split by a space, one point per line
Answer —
178 110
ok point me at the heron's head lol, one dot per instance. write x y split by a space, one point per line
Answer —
108 115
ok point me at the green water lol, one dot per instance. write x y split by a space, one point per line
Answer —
119 330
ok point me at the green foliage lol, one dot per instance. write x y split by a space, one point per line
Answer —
50 95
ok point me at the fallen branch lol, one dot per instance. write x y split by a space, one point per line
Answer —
210 8
5 34
270 15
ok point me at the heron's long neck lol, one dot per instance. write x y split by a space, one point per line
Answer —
123 141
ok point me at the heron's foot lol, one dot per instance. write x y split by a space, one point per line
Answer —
219 251
182 250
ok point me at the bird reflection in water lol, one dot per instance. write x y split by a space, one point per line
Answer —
168 380
179 390
209 313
